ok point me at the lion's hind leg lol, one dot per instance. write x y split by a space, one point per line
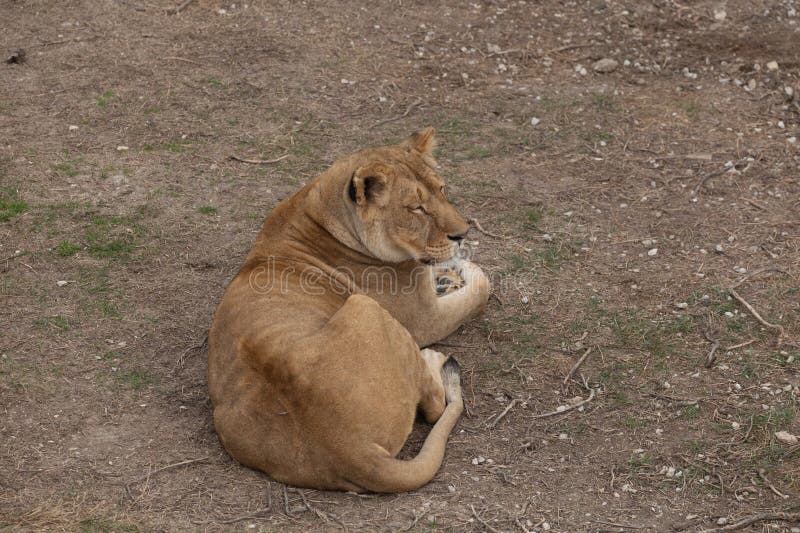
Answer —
439 387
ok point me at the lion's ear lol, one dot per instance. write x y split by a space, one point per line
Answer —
366 188
423 141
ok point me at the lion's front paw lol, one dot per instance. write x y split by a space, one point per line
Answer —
476 281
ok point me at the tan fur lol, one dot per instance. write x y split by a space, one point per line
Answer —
315 370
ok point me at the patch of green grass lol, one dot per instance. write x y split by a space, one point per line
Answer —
638 463
65 168
603 102
104 99
553 255
10 204
136 379
214 82
67 249
690 412
692 110
52 322
103 524
101 247
696 446
207 210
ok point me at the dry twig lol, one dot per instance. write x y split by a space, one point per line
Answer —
168 467
760 517
763 475
482 521
502 415
474 222
740 345
713 350
259 161
577 365
180 7
411 106
254 514
778 327
592 393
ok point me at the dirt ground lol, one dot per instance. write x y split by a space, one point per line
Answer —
619 208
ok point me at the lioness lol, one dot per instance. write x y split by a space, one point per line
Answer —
314 369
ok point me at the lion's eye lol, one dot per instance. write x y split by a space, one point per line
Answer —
418 210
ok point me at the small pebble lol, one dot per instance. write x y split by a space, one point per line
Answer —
122 148
772 65
605 65
719 249
786 437
681 305
61 283
73 127
652 252
534 121
721 521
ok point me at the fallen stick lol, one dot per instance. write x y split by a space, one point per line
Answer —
592 393
761 517
577 365
180 7
259 161
740 345
713 350
254 514
482 521
168 467
778 327
474 222
763 475
411 106
502 415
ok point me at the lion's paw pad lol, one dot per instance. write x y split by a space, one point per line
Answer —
448 280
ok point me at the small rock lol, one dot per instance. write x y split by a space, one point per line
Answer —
719 249
73 127
792 139
772 65
736 425
681 305
61 283
122 148
547 237
781 124
545 526
534 121
789 91
721 521
720 14
16 56
740 269
605 65
728 314
652 252
648 242
786 437
563 436
524 299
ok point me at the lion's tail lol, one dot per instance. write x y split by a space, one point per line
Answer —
383 473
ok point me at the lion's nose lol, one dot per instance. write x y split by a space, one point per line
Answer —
457 238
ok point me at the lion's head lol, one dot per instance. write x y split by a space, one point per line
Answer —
400 203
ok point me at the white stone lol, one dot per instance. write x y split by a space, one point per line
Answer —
61 283
652 252
772 65
786 437
534 121
605 65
